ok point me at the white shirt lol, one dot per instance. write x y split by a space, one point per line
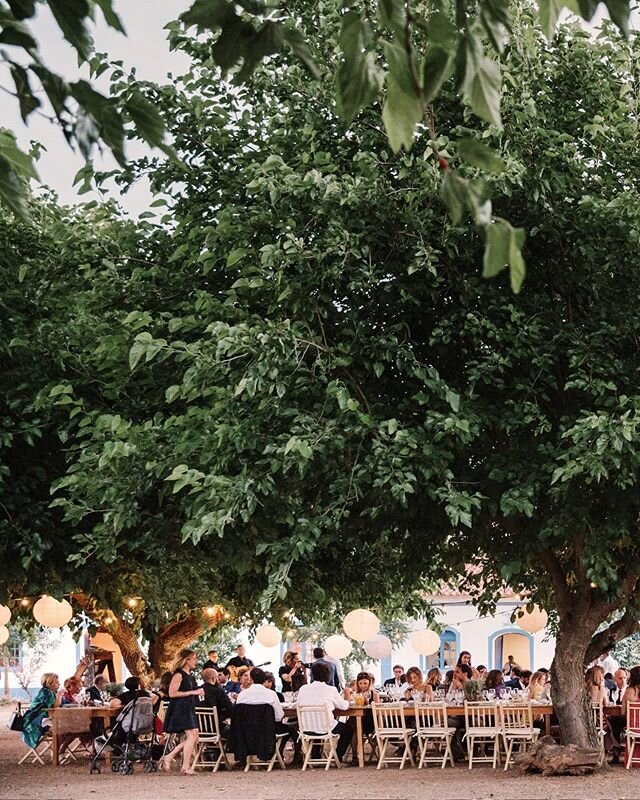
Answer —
614 696
318 694
256 694
608 664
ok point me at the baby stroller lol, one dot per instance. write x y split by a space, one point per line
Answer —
132 739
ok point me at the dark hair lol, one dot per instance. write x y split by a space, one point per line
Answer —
414 671
320 672
258 675
463 653
466 669
132 684
526 673
269 676
225 671
544 669
634 676
494 678
608 676
318 652
361 676
449 676
165 680
397 666
213 651
516 671
481 667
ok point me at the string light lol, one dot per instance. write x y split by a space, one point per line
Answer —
132 602
24 602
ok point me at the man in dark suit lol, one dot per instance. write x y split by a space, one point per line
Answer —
399 678
216 697
212 663
319 657
226 684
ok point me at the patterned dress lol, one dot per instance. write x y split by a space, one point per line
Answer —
32 730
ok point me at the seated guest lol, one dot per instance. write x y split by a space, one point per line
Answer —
434 679
448 678
270 683
399 678
495 682
95 691
71 694
455 694
536 690
481 672
417 689
35 720
615 695
212 661
257 694
618 722
132 690
594 681
244 677
520 679
318 692
161 693
224 682
293 673
216 697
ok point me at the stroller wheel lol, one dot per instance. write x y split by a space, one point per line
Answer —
126 768
95 770
115 767
150 766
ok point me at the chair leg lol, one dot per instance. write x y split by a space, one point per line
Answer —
382 746
449 752
470 749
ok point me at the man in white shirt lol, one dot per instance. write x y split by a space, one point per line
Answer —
320 693
256 694
607 662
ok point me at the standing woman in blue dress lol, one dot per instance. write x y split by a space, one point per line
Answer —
181 713
48 697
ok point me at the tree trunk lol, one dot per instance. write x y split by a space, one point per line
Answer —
570 700
164 648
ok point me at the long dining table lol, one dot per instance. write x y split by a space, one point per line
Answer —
358 712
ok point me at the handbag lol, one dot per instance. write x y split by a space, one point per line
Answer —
16 720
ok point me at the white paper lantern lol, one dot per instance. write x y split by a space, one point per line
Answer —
51 613
5 615
4 634
338 646
65 612
533 621
425 642
361 624
378 647
268 635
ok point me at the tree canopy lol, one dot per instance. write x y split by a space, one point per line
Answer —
303 394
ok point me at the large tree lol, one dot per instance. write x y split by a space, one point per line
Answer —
327 402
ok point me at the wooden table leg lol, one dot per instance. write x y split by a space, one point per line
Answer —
54 742
547 724
360 739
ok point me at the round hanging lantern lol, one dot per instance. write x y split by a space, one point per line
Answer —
5 615
361 624
337 646
425 642
533 621
268 635
50 613
378 647
4 634
65 612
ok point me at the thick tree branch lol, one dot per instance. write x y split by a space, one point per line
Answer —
558 581
608 638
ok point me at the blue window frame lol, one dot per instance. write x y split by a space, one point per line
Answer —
447 656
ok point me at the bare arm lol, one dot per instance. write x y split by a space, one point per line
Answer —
174 688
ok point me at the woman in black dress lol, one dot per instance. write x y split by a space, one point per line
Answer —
181 714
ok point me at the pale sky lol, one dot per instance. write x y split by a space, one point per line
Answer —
145 47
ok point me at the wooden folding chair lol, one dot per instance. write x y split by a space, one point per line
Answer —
254 761
391 730
35 755
432 728
315 724
633 733
209 738
601 731
516 724
483 729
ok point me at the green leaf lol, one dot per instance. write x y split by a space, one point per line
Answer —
299 47
147 119
235 256
20 162
17 34
453 194
403 106
503 248
358 78
392 14
481 86
28 102
619 11
436 68
548 13
479 155
70 16
22 9
209 14
110 16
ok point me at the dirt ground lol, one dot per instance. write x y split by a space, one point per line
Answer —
73 782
